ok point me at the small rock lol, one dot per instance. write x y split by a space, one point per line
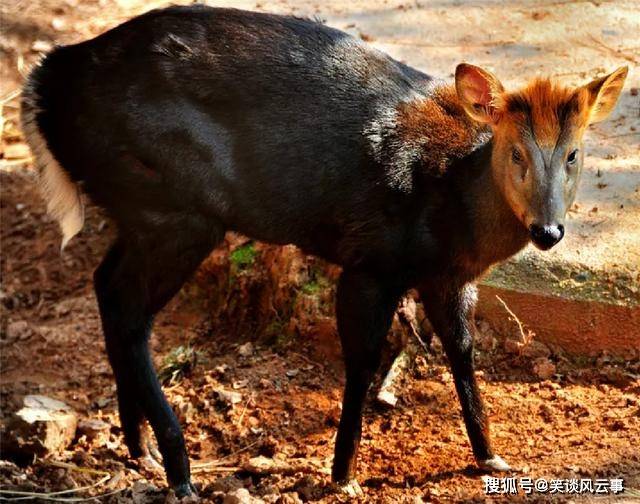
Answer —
42 426
446 377
245 350
228 397
238 384
512 346
546 413
387 398
290 498
93 428
291 373
103 402
544 368
221 369
142 492
307 488
267 465
226 484
485 339
240 496
483 325
261 465
534 349
583 276
614 376
264 383
18 330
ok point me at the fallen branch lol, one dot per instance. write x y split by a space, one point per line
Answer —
526 338
58 496
211 465
244 410
612 50
264 465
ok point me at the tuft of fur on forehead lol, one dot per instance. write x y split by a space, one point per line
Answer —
544 106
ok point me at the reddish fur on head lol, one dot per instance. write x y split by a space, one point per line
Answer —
537 137
546 106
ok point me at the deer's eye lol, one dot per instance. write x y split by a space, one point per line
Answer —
572 157
516 156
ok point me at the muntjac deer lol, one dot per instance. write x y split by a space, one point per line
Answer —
186 122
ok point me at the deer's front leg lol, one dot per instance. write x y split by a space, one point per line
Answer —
365 307
452 314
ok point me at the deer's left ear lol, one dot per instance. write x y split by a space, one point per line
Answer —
479 92
603 94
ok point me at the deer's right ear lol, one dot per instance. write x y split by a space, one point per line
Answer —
479 92
604 93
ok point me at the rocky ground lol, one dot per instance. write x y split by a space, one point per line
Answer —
250 360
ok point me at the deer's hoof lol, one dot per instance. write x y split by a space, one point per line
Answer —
186 491
350 488
495 463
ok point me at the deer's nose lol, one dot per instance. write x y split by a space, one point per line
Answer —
545 237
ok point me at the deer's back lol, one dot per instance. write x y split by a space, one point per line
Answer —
258 120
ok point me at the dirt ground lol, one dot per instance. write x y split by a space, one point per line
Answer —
553 416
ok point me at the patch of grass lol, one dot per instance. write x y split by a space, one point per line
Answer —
310 288
317 283
276 335
243 256
177 364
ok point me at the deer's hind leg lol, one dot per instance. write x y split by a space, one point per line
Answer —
138 276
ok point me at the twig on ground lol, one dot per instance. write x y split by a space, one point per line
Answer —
264 465
244 410
58 496
215 468
612 50
526 337
631 133
206 466
417 43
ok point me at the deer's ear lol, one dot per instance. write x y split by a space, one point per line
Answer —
479 92
603 94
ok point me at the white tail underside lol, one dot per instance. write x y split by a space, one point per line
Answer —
63 197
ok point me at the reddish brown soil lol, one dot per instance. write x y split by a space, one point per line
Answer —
582 422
